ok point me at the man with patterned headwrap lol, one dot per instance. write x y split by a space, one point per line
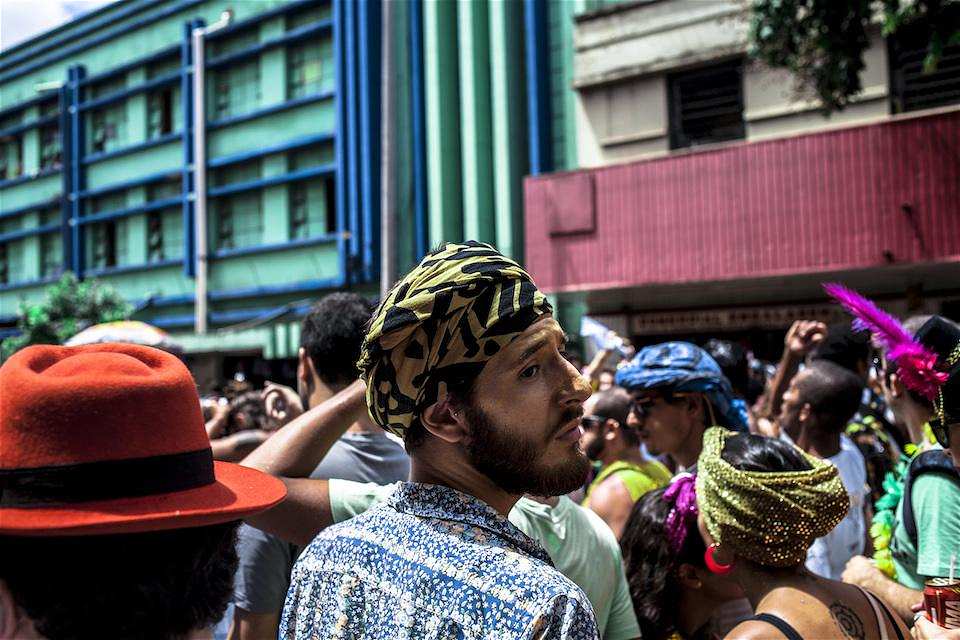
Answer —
464 361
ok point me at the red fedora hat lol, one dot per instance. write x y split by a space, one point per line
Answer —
109 438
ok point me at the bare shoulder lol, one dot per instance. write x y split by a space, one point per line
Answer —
610 492
754 630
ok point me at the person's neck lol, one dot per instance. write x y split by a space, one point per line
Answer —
693 612
550 501
322 393
757 582
915 418
813 441
457 474
690 450
624 454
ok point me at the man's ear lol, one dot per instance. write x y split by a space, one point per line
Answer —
445 420
610 429
305 370
696 406
806 412
689 577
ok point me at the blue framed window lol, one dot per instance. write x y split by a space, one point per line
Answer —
107 125
51 153
239 221
236 89
51 253
305 70
11 157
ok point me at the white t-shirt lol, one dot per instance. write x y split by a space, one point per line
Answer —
828 556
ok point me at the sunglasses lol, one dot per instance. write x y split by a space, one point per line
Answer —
589 422
941 432
641 406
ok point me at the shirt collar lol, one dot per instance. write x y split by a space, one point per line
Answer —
445 503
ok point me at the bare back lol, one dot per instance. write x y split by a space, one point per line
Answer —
819 608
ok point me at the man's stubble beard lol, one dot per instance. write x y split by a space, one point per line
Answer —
514 464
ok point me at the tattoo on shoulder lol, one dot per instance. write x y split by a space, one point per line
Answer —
848 621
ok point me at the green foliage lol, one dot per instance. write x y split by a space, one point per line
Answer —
70 306
822 42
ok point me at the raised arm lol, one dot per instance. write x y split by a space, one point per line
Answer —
292 454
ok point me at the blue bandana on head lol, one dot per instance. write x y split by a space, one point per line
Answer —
681 366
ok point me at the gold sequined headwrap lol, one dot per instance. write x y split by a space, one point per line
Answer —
772 517
446 318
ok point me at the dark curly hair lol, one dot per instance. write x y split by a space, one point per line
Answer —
651 566
150 586
332 334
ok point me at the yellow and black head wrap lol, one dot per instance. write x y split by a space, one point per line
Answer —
770 517
444 320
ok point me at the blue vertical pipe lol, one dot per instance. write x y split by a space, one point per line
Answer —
538 86
418 115
368 80
77 74
66 153
340 185
352 133
186 175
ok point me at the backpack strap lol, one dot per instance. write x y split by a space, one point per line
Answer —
933 461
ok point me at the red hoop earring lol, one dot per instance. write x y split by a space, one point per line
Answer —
713 565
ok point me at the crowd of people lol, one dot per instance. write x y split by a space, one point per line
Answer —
445 469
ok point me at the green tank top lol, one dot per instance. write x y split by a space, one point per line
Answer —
637 478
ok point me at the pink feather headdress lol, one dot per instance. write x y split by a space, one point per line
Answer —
916 364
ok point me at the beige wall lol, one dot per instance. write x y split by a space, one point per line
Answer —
621 62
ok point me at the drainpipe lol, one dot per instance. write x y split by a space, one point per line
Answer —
200 166
388 202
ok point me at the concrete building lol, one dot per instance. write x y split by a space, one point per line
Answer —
97 144
713 199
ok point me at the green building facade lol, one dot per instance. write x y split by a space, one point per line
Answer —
97 136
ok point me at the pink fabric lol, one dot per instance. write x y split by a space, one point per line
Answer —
682 493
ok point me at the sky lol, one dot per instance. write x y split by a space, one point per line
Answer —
23 19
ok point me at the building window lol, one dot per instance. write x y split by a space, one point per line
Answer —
109 202
236 89
237 173
11 157
303 17
222 45
160 113
706 105
49 107
108 124
51 156
304 70
51 255
108 128
155 236
910 88
108 244
164 190
103 245
12 120
239 221
311 210
4 264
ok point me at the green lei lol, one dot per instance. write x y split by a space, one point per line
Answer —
881 528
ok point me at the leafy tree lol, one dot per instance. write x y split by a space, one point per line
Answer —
70 306
822 42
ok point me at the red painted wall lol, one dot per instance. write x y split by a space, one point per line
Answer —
818 202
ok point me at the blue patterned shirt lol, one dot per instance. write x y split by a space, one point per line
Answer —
431 562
